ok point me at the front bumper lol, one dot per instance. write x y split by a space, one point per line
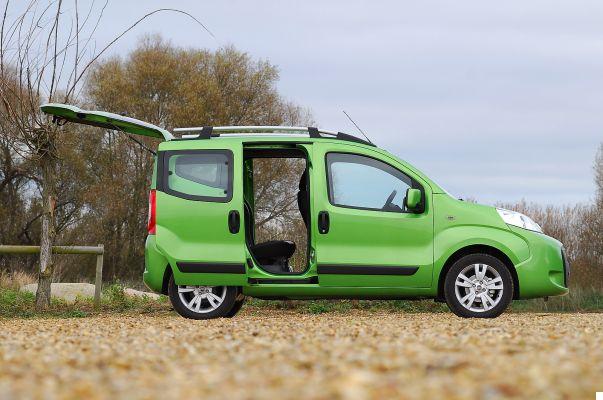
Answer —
546 271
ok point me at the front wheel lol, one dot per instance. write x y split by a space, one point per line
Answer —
202 302
478 286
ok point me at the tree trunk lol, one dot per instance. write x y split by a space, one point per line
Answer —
47 234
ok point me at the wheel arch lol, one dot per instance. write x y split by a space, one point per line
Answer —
477 249
167 274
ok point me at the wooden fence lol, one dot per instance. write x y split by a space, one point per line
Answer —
99 251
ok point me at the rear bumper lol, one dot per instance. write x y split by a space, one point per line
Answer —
546 271
154 265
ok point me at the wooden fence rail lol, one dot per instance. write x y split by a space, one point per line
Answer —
99 251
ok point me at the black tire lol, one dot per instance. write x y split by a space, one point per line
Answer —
455 304
221 311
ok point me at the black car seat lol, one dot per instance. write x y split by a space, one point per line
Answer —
303 198
274 255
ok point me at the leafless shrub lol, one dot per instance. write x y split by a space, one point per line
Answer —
579 228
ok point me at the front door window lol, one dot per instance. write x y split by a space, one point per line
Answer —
357 181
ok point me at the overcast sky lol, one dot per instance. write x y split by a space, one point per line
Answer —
497 101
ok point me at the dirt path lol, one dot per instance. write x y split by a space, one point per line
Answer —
285 355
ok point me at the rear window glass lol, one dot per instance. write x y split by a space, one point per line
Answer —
200 175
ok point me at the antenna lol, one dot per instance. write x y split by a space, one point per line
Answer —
357 127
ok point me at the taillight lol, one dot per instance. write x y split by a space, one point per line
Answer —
152 224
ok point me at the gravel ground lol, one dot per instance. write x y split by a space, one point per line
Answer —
265 354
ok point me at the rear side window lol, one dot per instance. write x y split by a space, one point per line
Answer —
204 175
362 182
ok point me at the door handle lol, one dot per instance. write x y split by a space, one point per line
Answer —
234 221
323 222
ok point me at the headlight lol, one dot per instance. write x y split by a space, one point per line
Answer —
518 219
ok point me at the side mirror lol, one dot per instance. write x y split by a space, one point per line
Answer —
412 199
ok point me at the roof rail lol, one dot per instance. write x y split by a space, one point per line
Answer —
206 132
257 128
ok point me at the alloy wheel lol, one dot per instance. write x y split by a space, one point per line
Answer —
479 287
202 299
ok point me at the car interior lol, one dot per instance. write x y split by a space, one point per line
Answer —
285 171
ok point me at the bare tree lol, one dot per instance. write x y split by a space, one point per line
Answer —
594 236
46 49
598 167
32 61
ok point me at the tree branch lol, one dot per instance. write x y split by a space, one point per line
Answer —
87 66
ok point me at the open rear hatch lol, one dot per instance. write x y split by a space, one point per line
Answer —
105 120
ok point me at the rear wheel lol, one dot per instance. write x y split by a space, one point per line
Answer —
478 286
202 302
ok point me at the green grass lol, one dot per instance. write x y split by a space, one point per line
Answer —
17 304
579 300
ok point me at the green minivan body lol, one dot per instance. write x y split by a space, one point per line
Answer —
377 228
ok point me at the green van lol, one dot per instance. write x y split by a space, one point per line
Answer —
376 227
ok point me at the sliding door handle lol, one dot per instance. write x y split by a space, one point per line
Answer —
234 221
323 222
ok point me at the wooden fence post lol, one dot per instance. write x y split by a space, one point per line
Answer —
98 251
98 283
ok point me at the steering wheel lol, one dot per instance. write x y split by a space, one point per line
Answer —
389 200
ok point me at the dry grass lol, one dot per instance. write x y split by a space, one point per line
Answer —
265 354
14 280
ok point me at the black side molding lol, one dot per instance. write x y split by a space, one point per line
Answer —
276 281
211 268
341 269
